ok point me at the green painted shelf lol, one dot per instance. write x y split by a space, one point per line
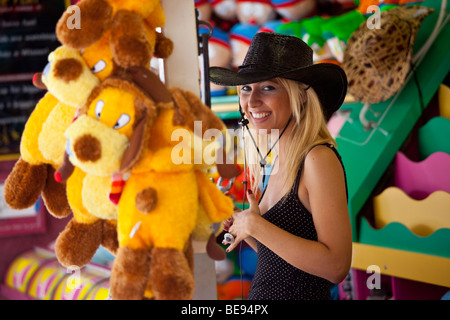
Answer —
367 153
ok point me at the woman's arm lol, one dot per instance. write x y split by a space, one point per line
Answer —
252 243
330 256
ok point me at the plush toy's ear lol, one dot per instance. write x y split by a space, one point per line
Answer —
151 84
189 108
213 249
55 196
37 81
136 146
146 113
94 19
129 43
65 170
163 46
156 19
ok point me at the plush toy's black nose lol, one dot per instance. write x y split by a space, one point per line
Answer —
87 148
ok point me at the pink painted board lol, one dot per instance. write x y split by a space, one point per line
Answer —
420 179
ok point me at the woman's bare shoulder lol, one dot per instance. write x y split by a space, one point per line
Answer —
322 162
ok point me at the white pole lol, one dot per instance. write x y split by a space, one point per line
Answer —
181 70
182 67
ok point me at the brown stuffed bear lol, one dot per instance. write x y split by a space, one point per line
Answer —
132 26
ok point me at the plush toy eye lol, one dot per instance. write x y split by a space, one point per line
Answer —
98 108
123 120
47 68
99 66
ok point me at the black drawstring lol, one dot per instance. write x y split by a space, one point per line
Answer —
243 122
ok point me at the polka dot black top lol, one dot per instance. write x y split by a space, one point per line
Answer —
276 279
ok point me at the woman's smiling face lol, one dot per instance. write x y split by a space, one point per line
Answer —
266 104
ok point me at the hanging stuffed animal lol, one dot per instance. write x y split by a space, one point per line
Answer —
78 242
94 214
271 26
66 73
255 12
294 10
224 9
80 239
224 13
219 55
204 9
42 144
132 25
240 37
160 199
123 34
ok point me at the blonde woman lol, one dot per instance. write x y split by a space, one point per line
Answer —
299 226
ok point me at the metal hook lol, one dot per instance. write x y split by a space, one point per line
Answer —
226 188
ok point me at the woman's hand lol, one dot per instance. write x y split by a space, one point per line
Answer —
238 225
227 223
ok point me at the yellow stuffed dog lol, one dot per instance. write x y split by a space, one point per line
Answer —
158 200
42 144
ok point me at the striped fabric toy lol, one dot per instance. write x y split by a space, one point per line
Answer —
117 185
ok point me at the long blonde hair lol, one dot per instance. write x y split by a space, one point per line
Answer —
309 128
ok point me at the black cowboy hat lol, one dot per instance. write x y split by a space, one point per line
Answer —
273 55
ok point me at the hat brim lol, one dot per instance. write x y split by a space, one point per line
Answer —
328 80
